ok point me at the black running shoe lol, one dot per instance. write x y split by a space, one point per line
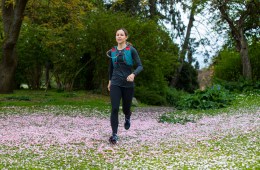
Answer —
127 124
113 139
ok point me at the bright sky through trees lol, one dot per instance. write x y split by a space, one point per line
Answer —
201 30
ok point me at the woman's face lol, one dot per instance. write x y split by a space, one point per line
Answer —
121 37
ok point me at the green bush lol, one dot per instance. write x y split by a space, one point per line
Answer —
150 97
188 78
254 53
212 98
227 66
239 86
173 96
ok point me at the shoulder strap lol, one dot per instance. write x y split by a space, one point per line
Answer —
113 55
128 55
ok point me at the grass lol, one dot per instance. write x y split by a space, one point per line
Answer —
52 97
66 102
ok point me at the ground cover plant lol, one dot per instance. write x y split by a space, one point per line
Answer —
74 135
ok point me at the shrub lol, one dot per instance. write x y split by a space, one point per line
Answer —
149 96
188 78
239 86
173 96
228 65
212 98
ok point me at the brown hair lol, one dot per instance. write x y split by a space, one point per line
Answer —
126 34
125 31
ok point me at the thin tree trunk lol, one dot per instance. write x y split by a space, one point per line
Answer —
185 47
152 8
47 74
77 73
247 71
12 20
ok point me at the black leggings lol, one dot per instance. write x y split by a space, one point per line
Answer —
116 93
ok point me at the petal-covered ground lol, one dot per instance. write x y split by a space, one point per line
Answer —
55 141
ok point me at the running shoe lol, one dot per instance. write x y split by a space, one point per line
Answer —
127 124
113 139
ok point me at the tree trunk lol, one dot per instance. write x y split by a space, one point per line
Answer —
185 47
36 76
7 72
247 71
152 8
238 33
12 15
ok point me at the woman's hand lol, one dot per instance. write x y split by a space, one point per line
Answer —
109 84
131 77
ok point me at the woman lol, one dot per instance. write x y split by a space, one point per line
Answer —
121 80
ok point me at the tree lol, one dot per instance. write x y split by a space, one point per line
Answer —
12 14
52 33
185 46
242 17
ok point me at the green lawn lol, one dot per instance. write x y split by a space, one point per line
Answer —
52 97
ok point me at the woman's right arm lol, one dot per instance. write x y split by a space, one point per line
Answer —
109 84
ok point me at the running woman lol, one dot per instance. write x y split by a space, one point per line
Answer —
121 80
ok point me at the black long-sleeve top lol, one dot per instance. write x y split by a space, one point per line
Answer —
119 73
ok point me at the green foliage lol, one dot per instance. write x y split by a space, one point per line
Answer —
53 33
188 78
241 85
212 98
249 101
254 55
32 56
151 97
64 42
228 70
227 65
173 96
157 52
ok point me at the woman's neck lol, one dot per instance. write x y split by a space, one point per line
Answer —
121 46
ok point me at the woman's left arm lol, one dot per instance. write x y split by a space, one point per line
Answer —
138 62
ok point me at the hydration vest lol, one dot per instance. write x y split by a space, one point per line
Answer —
127 56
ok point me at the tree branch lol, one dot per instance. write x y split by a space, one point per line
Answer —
234 31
